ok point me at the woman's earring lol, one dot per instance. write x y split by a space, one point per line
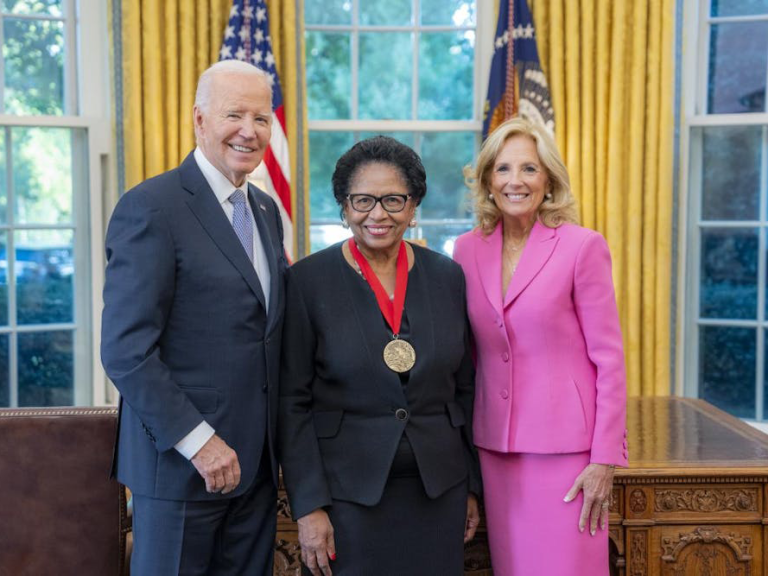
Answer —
490 196
548 196
412 223
344 223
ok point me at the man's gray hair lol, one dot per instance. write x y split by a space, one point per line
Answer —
202 96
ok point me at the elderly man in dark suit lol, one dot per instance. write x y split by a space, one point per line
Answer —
193 308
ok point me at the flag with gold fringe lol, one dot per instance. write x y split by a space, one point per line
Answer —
247 38
517 85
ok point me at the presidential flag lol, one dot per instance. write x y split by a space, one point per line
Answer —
247 38
517 85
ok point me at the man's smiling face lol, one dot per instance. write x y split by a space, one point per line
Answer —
233 130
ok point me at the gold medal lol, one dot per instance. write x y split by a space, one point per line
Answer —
399 355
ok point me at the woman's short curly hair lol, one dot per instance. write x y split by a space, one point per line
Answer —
380 150
552 212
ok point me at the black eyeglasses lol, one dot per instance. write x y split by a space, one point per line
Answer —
390 202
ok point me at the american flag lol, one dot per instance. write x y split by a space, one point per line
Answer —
517 84
247 38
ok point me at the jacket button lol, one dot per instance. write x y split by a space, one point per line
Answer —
401 414
264 388
504 394
505 357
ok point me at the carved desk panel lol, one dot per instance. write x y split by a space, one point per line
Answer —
692 503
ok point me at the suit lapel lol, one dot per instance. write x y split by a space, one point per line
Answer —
259 210
369 319
203 203
488 260
537 251
418 304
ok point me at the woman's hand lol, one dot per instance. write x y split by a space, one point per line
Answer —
473 518
596 480
316 540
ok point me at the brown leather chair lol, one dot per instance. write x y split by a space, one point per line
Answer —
60 513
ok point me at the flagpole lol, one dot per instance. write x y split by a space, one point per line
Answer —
510 96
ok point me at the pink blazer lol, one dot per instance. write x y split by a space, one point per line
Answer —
550 363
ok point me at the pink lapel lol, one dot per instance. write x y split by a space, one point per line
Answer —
488 260
537 251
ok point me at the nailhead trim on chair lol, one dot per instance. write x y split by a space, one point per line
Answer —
59 412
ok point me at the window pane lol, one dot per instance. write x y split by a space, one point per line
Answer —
3 278
3 180
324 150
323 235
328 76
386 64
442 237
389 13
44 271
727 369
739 7
731 172
327 12
406 138
33 51
49 7
46 373
5 391
446 62
447 12
42 175
738 57
444 155
728 273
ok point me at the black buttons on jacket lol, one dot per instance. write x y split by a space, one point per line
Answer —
401 414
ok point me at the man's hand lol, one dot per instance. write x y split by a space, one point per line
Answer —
217 463
316 541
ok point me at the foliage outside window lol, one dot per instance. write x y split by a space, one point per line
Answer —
403 68
727 181
44 295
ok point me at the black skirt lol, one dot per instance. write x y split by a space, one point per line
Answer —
406 533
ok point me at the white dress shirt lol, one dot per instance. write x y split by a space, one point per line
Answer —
223 189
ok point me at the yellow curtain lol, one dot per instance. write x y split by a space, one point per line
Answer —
166 46
610 71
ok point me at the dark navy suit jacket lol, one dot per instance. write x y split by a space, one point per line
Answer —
185 332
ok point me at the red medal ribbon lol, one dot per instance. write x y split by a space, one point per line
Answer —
392 311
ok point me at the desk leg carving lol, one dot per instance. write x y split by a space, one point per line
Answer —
638 552
707 550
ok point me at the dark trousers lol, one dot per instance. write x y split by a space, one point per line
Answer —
222 537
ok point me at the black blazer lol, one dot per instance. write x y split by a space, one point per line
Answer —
185 332
338 429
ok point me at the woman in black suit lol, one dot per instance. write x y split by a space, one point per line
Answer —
377 386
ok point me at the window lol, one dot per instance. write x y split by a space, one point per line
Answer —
403 68
49 166
725 174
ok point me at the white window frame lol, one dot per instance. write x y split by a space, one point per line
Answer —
485 28
87 107
694 83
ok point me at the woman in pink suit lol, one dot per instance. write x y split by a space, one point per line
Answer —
550 403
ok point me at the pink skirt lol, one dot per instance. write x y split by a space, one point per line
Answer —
531 530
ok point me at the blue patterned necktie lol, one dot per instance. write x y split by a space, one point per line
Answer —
241 222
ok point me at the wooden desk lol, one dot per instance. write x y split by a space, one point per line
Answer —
694 501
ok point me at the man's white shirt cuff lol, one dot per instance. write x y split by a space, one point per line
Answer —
192 442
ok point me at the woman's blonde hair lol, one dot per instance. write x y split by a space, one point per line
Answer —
552 212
